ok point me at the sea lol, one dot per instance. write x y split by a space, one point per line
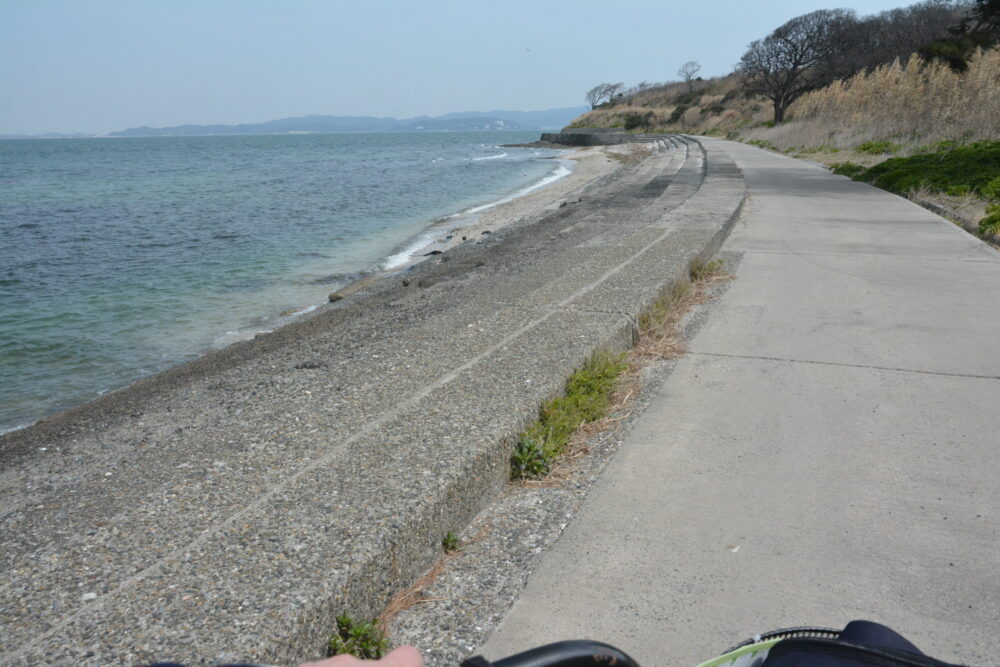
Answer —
121 257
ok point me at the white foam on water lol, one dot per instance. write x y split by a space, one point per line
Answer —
563 170
408 254
490 157
304 311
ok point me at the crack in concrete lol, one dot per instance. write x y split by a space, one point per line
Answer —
870 254
844 365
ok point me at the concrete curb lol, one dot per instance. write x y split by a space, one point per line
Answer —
233 512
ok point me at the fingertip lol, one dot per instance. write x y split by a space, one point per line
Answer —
406 656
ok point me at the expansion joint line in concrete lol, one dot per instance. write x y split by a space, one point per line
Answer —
210 532
597 311
882 255
839 364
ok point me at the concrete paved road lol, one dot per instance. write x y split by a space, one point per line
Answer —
829 449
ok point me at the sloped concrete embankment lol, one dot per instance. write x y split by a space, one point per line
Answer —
591 136
231 508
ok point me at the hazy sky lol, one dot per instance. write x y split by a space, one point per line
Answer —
104 65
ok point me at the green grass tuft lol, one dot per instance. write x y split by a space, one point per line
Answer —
878 147
585 400
529 460
699 269
450 543
362 640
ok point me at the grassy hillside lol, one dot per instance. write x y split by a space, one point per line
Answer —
908 105
918 109
713 106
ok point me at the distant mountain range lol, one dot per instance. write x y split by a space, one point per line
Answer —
550 119
465 120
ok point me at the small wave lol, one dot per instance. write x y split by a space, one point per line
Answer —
559 172
16 427
425 240
407 254
303 311
490 157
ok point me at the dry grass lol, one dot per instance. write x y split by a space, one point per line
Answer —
964 210
615 116
829 157
913 103
630 153
659 327
699 116
413 595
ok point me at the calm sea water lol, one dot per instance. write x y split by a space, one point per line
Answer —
122 257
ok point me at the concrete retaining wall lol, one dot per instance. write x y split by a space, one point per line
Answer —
596 137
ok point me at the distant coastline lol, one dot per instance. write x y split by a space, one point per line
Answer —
462 121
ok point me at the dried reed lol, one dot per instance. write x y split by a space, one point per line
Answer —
913 103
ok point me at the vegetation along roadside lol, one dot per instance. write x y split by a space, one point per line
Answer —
957 174
905 99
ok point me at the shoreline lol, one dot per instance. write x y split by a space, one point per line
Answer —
313 471
469 225
591 163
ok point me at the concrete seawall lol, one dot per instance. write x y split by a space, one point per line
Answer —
229 509
597 137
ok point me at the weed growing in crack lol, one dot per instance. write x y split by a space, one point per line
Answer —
585 400
362 640
451 543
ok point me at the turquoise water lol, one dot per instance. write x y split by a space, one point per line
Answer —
122 257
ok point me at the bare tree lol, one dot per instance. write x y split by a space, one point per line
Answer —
795 58
688 71
603 93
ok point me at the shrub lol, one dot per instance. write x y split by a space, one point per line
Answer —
732 95
959 170
676 114
690 99
992 190
990 225
849 169
636 119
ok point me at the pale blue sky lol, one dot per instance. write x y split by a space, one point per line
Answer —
104 65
